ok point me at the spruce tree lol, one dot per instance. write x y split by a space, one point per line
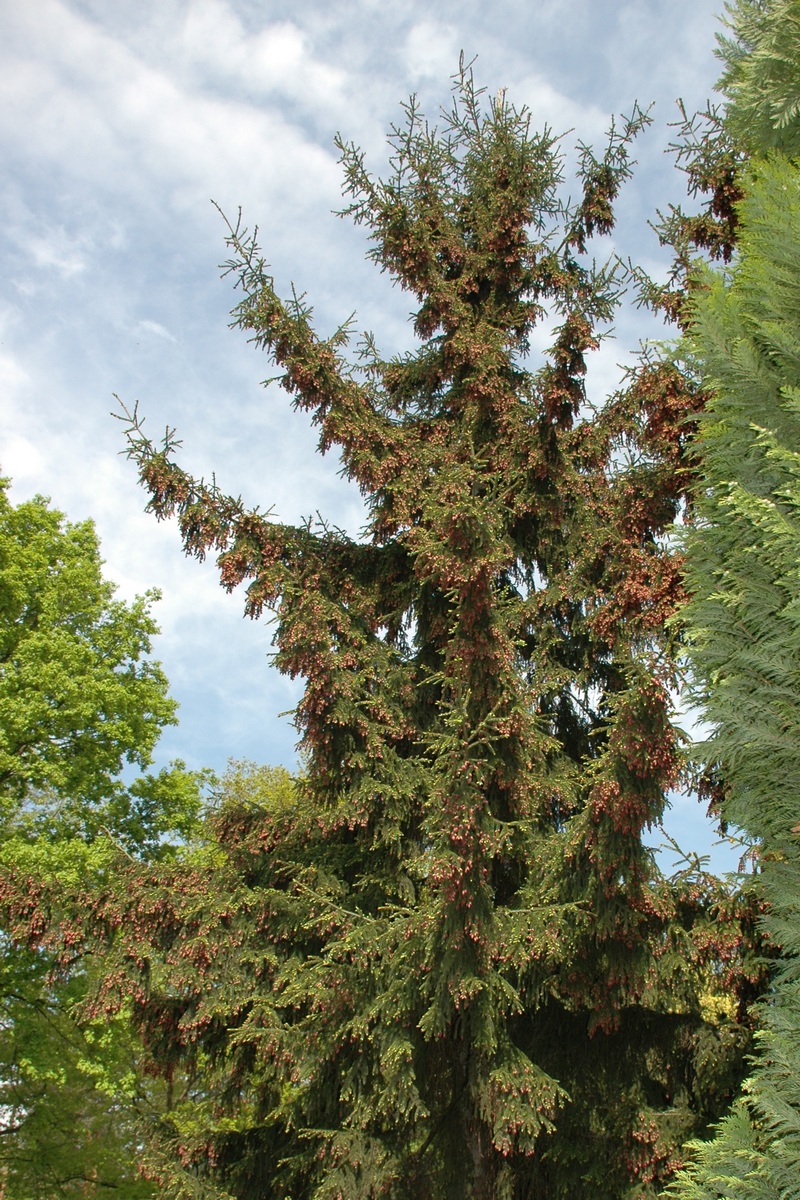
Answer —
444 964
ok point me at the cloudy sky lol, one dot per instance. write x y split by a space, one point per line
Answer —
120 121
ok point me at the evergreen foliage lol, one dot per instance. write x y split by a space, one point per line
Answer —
276 1006
744 573
444 964
760 78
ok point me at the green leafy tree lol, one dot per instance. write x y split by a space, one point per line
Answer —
444 963
79 698
744 570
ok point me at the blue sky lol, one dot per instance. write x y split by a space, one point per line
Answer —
120 120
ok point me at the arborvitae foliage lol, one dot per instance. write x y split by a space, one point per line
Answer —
744 570
446 966
760 78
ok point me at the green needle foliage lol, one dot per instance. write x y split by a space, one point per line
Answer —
443 964
291 1014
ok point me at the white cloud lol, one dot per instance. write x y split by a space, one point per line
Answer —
57 251
213 45
22 460
431 50
83 101
155 328
548 106
13 375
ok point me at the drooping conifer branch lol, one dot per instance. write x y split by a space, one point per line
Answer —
445 948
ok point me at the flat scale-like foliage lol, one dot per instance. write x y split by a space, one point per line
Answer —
744 573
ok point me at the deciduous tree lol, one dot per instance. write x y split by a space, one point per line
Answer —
79 698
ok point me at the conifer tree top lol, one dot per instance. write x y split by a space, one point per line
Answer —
486 715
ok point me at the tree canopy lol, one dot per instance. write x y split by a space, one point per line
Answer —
743 570
442 962
80 699
445 963
79 695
